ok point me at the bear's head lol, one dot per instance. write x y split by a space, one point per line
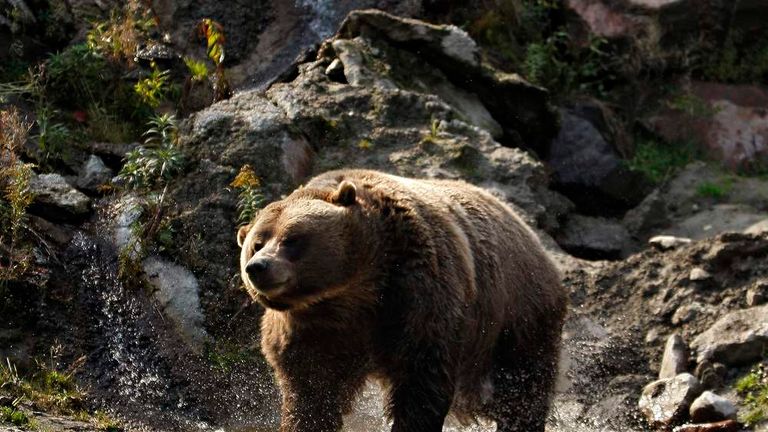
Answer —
303 249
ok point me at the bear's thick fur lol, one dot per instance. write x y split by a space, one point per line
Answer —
435 288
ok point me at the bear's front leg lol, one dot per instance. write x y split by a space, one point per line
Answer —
317 388
422 392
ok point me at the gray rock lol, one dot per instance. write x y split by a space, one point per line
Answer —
93 174
128 210
665 402
718 219
594 237
176 290
666 242
57 200
688 312
736 339
675 358
649 214
711 375
758 293
710 407
588 166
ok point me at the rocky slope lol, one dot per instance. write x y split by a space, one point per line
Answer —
172 344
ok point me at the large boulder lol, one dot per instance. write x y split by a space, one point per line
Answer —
589 169
55 199
727 122
738 338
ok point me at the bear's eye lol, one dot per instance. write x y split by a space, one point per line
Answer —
294 246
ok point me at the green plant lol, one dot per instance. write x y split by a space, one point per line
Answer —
213 33
16 195
692 105
119 37
77 76
714 190
251 198
197 69
52 136
657 160
753 387
158 161
46 387
106 126
154 88
13 416
742 58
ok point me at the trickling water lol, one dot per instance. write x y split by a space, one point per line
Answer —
141 369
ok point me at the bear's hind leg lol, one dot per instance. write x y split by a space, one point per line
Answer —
523 382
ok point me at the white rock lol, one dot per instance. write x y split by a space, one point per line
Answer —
665 402
699 274
665 242
177 292
710 407
56 199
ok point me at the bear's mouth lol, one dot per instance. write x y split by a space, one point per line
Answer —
272 304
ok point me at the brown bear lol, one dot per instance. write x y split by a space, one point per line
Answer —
433 287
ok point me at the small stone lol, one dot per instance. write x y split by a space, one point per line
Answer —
722 426
711 375
757 294
665 402
688 312
653 336
711 407
699 274
335 70
664 242
675 358
93 174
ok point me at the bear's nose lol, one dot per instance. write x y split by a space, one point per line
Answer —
257 267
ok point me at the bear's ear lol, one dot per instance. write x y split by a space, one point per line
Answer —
242 233
345 195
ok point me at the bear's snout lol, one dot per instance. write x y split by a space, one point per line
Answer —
257 267
267 274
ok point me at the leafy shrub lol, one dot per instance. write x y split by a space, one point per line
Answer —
13 416
158 161
197 69
16 196
119 37
154 88
657 161
251 198
743 58
753 387
213 34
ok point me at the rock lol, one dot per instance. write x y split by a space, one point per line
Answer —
722 426
176 290
757 227
733 131
718 219
56 200
447 42
335 70
665 402
710 407
688 312
711 375
522 109
699 274
588 168
665 242
128 210
93 174
738 338
675 358
592 237
650 213
758 293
